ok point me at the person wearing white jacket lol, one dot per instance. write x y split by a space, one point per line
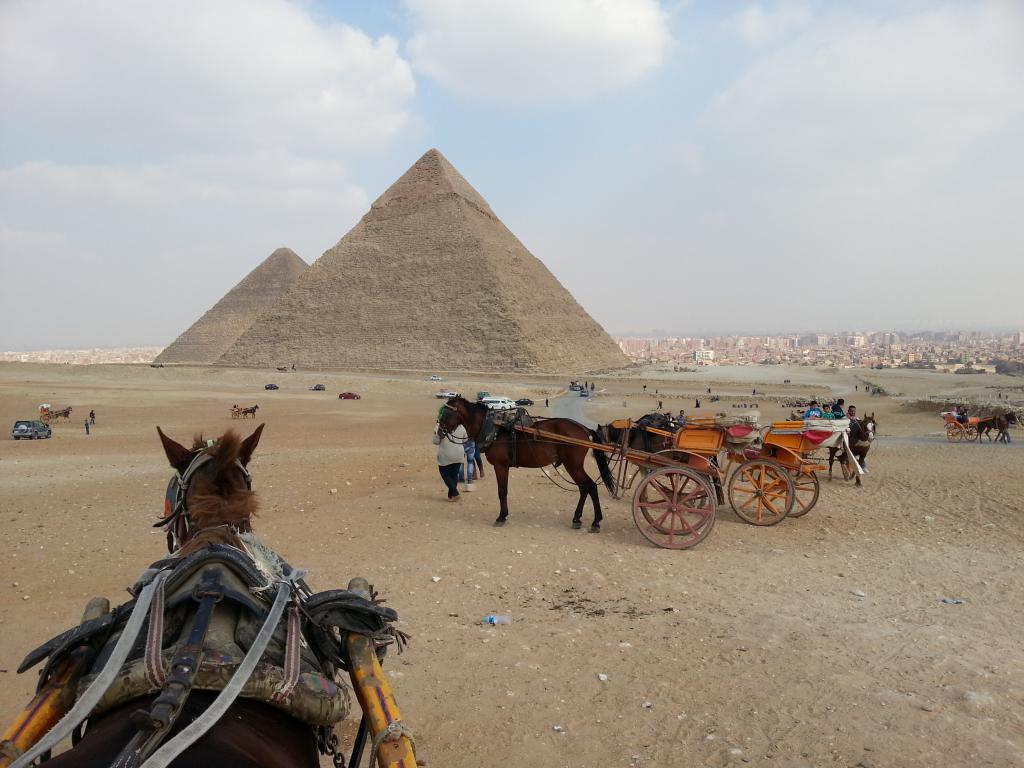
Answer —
450 455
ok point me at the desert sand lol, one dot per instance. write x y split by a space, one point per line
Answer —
823 641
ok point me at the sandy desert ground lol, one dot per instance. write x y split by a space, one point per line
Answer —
822 641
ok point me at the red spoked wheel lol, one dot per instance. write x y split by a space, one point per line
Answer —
806 487
674 507
761 492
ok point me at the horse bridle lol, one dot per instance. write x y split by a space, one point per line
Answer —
175 517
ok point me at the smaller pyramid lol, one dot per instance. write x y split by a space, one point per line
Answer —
213 333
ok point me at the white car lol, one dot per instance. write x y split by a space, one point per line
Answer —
446 395
435 377
499 403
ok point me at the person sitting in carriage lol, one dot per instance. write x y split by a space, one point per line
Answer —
678 421
813 411
961 414
837 409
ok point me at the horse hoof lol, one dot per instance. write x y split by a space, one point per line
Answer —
576 525
499 522
595 528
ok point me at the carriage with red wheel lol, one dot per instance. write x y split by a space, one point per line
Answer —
767 474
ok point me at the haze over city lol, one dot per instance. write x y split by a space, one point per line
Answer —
694 167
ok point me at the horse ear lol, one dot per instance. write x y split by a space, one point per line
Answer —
249 445
177 454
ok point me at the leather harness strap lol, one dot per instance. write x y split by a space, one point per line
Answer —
198 727
291 654
155 724
155 639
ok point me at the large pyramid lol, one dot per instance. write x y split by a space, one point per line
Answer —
211 335
428 279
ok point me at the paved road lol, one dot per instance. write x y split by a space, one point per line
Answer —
571 406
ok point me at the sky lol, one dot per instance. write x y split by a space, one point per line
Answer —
680 166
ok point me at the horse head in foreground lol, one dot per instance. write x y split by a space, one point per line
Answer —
516 439
223 657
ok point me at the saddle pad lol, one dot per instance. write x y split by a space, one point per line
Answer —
817 436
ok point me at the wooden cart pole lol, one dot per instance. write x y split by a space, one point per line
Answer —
373 690
54 698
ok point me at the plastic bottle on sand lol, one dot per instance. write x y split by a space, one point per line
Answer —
493 618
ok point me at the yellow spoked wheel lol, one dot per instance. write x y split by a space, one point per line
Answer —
761 492
806 488
674 507
954 433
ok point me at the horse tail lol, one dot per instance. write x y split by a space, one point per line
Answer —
602 464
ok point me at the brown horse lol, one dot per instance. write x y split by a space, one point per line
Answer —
862 434
1000 423
510 448
63 413
212 510
247 412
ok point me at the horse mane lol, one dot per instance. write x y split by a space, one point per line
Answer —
220 504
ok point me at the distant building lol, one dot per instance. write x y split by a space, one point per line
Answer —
704 355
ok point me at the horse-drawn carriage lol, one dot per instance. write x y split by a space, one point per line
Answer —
48 413
766 474
959 431
960 428
678 477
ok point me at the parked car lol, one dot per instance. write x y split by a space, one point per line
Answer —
524 401
498 403
584 393
271 386
349 396
446 395
318 388
30 430
435 377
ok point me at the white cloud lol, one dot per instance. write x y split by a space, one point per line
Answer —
889 146
209 74
536 51
759 25
157 243
173 146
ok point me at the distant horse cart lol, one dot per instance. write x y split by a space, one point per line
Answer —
48 414
976 427
244 413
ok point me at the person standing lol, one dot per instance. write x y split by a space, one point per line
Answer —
467 471
92 417
545 402
87 426
450 455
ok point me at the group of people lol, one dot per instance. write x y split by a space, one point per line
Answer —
960 414
836 410
458 458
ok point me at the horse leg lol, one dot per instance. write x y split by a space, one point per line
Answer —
501 475
831 458
587 488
